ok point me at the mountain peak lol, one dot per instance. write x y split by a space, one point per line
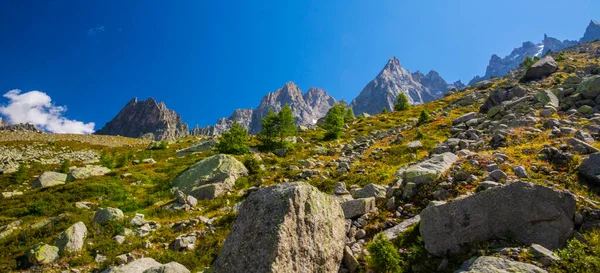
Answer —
592 32
392 64
147 119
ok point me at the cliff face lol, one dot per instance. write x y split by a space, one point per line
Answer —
146 119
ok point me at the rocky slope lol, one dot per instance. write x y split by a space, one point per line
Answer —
382 91
146 119
505 177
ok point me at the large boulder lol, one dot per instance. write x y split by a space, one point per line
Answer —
42 254
285 228
49 179
541 69
547 98
104 215
172 267
590 169
486 264
498 96
71 240
590 87
429 170
137 266
210 177
523 211
200 146
87 171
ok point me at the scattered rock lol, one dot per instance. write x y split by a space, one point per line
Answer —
393 232
429 170
87 171
201 146
590 169
172 267
49 179
542 68
358 207
71 240
104 215
137 266
42 254
370 190
485 264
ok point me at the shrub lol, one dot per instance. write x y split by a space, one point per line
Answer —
560 57
528 61
402 102
252 164
384 110
162 145
276 128
419 135
234 141
383 256
19 176
107 160
124 160
424 117
64 165
580 257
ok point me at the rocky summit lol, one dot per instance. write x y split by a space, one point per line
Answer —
500 176
146 119
383 91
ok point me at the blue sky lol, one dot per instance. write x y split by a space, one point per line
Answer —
206 58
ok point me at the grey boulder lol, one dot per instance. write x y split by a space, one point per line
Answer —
42 254
486 264
71 240
358 207
542 68
200 146
49 179
87 171
210 177
590 169
285 228
137 266
104 215
526 212
172 267
427 171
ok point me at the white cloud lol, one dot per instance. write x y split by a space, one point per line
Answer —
36 107
96 30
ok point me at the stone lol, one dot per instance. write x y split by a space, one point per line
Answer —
547 98
426 172
137 266
498 96
339 188
198 147
9 194
358 207
87 171
49 179
590 87
210 177
464 118
529 213
370 190
489 185
72 239
184 242
541 69
590 169
172 267
543 254
585 110
285 228
42 254
393 232
350 261
414 144
104 215
520 172
486 264
498 175
137 220
120 239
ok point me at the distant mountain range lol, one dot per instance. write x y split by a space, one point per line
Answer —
153 120
499 67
